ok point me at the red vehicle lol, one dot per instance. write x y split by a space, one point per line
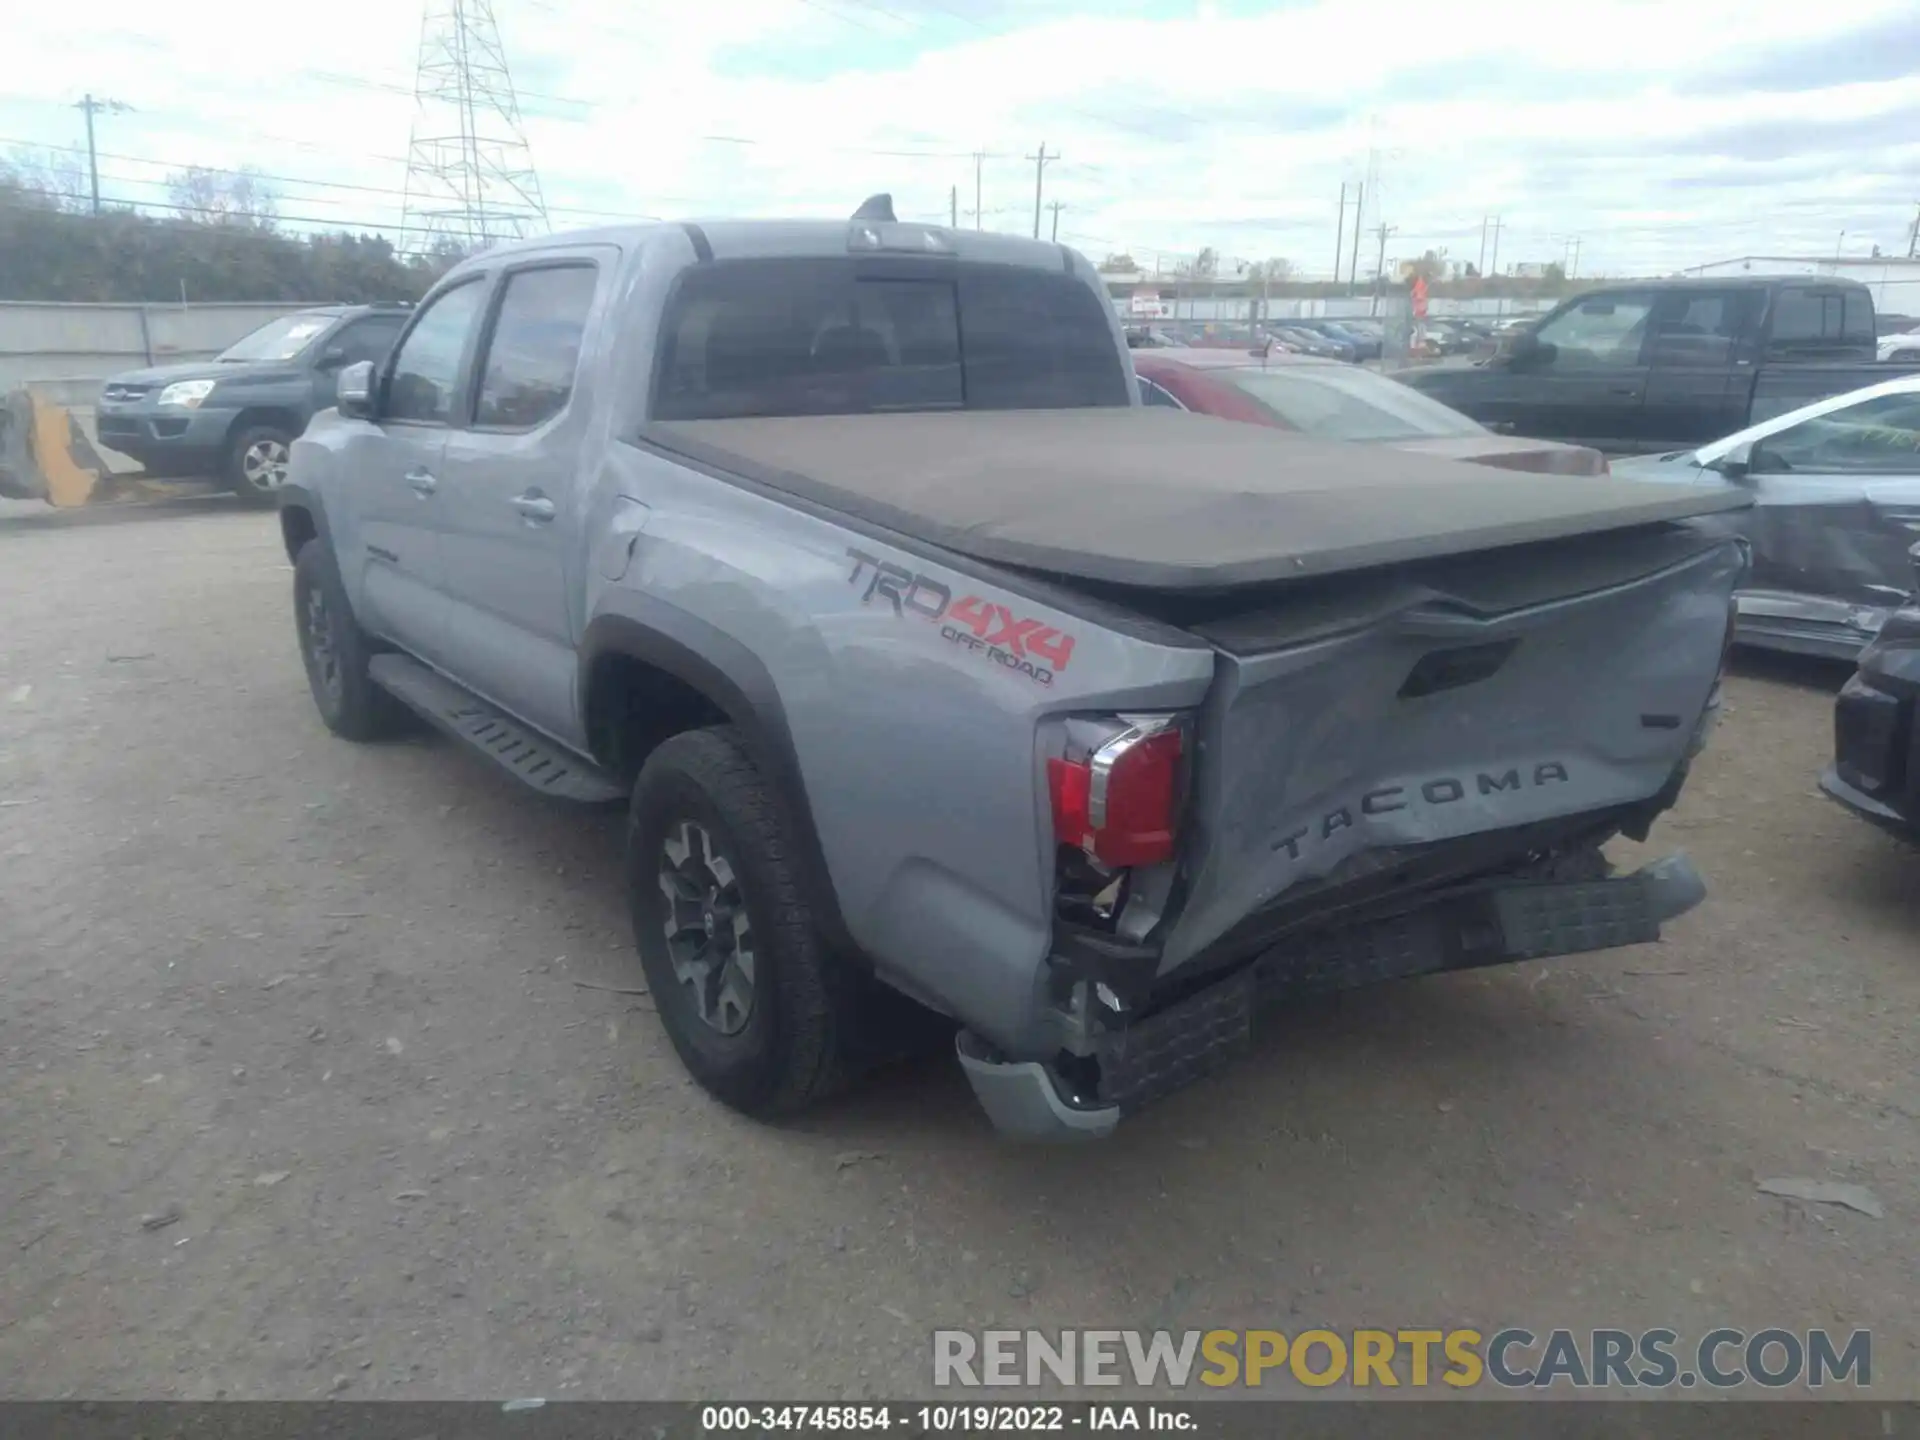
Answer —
1332 401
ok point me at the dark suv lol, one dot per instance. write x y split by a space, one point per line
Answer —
235 415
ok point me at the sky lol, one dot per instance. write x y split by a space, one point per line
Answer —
1651 136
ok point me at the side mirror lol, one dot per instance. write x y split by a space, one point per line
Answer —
331 358
353 393
1737 463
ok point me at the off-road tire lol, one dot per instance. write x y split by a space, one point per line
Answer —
351 705
243 447
802 1030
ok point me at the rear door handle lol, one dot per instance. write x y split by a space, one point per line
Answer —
1623 390
422 483
534 507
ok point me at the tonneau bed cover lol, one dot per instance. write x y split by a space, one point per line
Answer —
1160 499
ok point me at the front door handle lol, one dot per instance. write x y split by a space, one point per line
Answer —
534 507
1623 390
423 484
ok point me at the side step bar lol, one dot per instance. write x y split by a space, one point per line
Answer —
526 755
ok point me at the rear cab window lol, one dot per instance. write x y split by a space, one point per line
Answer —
837 336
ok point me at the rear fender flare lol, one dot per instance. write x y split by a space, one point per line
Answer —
734 679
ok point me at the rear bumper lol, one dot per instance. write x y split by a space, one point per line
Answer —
1149 1058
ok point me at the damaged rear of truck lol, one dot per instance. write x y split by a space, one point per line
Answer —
934 663
1269 717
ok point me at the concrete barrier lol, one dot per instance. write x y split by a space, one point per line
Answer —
65 351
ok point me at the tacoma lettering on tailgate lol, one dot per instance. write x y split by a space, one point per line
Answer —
973 622
1441 790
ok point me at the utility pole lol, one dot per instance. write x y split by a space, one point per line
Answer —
1353 271
979 160
1056 206
1573 268
1481 267
1913 240
1493 255
93 107
953 207
1380 270
1039 170
1340 234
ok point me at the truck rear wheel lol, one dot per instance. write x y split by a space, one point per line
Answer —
759 1008
335 651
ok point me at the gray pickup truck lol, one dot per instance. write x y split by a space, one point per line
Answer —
933 665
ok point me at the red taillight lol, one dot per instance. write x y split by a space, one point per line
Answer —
1122 804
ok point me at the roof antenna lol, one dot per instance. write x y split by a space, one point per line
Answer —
876 207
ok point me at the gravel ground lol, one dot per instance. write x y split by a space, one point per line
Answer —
303 1089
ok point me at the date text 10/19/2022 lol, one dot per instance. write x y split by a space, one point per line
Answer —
957 1419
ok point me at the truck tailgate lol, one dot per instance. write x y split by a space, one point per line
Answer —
1161 499
1441 702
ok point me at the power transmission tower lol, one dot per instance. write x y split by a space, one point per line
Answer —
1056 206
1493 256
1340 234
1353 270
470 176
1913 239
1039 171
94 107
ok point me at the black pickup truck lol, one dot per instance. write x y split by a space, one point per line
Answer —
1670 364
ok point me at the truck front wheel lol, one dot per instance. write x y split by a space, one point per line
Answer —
759 1008
335 651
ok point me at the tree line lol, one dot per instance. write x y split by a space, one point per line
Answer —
221 240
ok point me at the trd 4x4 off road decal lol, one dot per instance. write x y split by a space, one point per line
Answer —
985 627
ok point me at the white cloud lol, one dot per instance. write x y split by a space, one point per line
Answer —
1659 134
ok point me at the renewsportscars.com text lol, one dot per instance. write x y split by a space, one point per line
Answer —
1512 1358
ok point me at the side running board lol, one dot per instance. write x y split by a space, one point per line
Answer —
529 757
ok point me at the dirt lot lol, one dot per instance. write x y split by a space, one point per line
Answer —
327 1006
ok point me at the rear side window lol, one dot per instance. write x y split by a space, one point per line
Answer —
1699 327
535 346
824 337
1805 318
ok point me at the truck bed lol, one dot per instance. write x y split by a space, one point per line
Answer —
1158 499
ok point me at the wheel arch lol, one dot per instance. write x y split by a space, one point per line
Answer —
281 417
694 675
301 519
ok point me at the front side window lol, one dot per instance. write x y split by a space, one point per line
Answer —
827 337
426 370
1879 436
1337 402
1604 331
535 347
